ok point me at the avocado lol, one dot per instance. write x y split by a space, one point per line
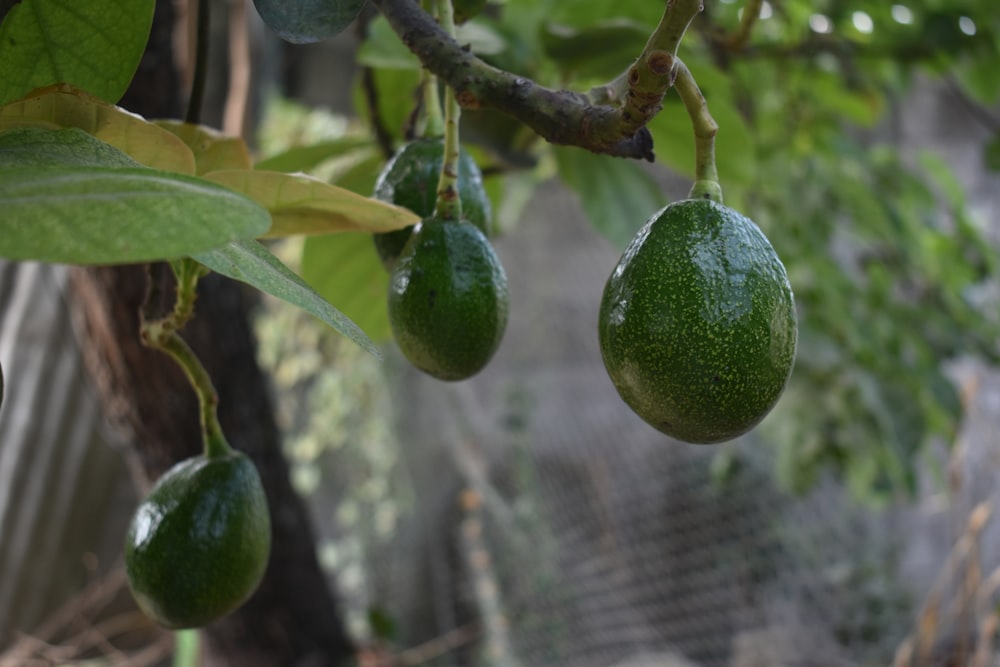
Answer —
697 325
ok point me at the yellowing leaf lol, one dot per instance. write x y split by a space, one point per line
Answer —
63 106
213 151
301 204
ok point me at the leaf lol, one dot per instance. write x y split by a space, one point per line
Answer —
95 45
212 150
978 78
109 215
617 196
304 158
250 262
944 177
36 147
64 106
603 49
382 49
305 21
301 204
345 270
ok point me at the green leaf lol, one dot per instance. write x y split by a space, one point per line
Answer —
943 175
250 262
978 77
305 21
106 215
603 49
991 154
345 270
36 147
95 45
304 158
382 49
68 197
301 204
617 195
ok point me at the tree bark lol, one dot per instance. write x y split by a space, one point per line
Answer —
292 619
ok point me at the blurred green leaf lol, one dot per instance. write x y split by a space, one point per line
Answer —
345 270
94 45
305 158
617 195
250 262
603 49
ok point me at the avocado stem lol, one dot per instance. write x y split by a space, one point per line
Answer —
706 183
214 440
162 334
448 205
433 117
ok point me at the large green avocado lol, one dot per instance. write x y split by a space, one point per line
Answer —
697 323
198 545
448 299
410 179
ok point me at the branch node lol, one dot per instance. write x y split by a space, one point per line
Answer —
660 62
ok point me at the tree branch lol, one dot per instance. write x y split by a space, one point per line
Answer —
559 116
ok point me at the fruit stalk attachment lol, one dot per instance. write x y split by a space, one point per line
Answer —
432 121
449 205
162 334
706 183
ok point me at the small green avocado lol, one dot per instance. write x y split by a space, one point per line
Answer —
448 299
697 325
198 545
410 180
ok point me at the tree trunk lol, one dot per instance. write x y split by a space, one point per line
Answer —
292 619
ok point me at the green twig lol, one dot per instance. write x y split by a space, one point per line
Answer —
706 184
161 334
433 116
449 206
652 73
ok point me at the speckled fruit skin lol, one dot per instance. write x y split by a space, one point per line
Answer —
410 180
697 323
198 545
448 299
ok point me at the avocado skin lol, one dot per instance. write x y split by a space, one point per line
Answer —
698 328
198 545
410 179
448 299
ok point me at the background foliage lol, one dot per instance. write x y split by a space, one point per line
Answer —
890 268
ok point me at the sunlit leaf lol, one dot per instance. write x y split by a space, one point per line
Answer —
300 204
212 150
250 262
95 45
63 106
